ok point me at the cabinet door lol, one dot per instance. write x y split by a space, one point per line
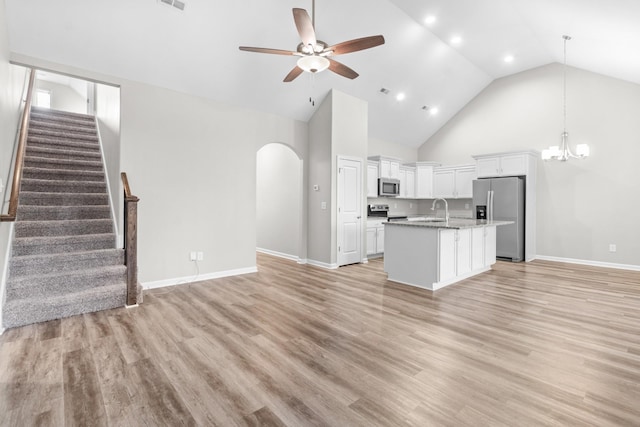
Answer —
477 248
424 182
411 184
372 180
515 164
463 251
447 255
380 239
371 240
489 246
394 170
464 183
489 166
385 169
444 183
403 183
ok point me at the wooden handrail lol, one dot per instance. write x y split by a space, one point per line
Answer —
131 242
22 143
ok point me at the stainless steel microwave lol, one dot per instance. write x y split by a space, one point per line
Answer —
388 187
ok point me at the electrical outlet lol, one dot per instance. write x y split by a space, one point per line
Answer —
395 206
466 205
200 256
323 205
410 205
612 247
192 256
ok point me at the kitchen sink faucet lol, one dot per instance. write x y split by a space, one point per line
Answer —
446 209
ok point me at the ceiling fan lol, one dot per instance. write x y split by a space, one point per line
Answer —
316 55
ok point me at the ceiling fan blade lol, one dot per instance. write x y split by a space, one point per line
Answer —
304 26
293 74
342 69
267 50
356 45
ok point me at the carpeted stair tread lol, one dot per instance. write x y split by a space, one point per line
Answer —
52 133
62 186
62 282
36 265
69 164
63 143
56 126
53 213
50 112
61 174
63 199
59 244
87 121
25 311
62 228
60 153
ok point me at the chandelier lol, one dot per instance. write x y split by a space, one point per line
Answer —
562 152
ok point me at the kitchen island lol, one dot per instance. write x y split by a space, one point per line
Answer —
435 253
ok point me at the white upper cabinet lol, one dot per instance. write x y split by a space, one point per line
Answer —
454 182
388 166
505 164
407 182
424 179
372 179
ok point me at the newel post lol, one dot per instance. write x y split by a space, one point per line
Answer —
131 242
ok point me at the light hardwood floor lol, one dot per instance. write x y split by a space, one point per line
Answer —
525 344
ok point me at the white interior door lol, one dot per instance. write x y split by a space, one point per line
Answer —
349 211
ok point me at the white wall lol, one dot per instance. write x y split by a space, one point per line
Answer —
192 162
12 80
279 200
319 232
107 105
583 205
63 97
378 147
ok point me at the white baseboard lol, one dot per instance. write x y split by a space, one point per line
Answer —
591 263
322 264
280 255
303 261
198 278
2 331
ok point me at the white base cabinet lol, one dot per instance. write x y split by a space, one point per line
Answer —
375 237
433 258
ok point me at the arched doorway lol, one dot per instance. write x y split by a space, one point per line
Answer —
279 201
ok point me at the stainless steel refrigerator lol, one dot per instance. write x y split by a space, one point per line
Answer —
504 201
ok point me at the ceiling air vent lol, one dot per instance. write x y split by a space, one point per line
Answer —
175 3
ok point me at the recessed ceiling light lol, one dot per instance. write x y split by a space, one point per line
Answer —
400 96
508 58
429 19
456 40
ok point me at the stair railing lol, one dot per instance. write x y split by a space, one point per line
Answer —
131 241
22 144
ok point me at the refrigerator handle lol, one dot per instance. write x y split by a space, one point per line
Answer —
490 205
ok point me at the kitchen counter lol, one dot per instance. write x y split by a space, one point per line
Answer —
453 223
433 253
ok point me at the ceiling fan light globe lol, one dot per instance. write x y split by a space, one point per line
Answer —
313 63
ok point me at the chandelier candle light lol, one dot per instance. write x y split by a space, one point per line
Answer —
562 152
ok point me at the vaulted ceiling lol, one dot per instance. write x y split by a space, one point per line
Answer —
196 50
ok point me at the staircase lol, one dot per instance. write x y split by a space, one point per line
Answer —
64 259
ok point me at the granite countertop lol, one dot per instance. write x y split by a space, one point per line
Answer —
454 223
